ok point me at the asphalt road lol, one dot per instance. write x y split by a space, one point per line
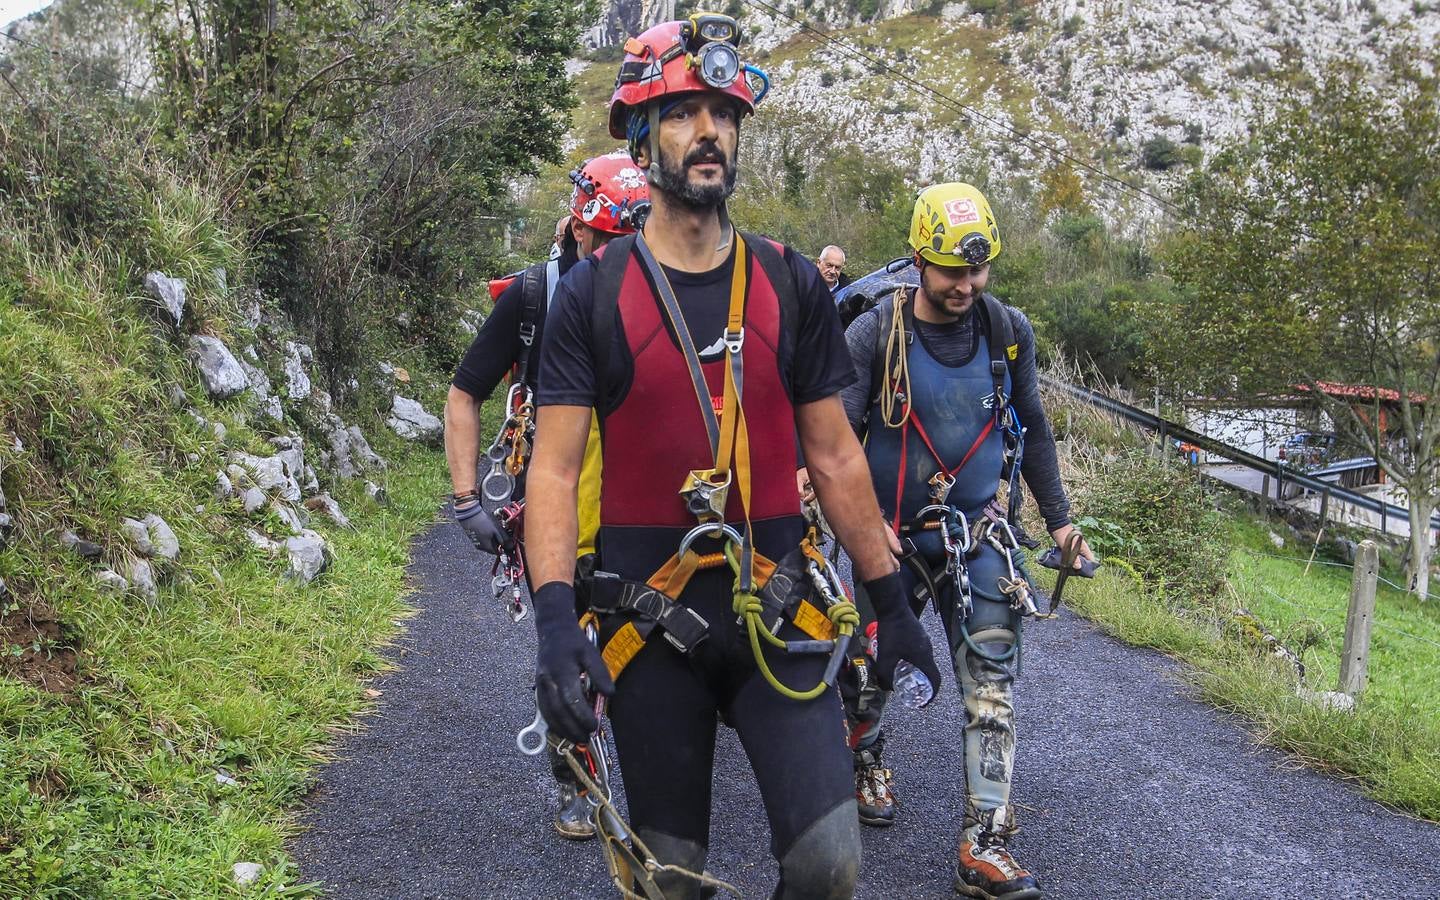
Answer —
1128 786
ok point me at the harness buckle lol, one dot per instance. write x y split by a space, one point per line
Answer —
734 340
527 333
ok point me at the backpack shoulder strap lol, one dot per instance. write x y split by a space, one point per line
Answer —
532 299
1000 336
612 260
771 257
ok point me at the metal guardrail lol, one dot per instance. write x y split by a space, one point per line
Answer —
1281 473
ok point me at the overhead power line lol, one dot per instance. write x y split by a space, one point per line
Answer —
876 64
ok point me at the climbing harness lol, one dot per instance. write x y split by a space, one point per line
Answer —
630 863
766 594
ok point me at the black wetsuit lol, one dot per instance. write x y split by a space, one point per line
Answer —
664 712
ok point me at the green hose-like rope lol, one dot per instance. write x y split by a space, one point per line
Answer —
748 606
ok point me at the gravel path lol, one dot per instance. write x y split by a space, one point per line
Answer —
1129 786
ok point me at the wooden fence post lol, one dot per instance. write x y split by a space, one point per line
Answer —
1355 656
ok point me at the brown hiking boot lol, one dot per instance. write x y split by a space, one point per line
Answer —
874 790
985 868
572 820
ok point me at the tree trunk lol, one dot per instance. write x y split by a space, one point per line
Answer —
1417 573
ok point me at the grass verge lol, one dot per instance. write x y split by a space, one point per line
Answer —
197 723
1389 746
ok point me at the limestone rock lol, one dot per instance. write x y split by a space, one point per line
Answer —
377 493
1345 548
7 528
309 556
162 538
296 520
263 543
253 498
350 453
250 311
138 535
111 582
83 548
297 382
142 580
324 503
273 473
223 486
410 420
169 294
246 872
1336 701
272 408
219 369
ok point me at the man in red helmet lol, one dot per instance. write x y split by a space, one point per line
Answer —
706 354
610 198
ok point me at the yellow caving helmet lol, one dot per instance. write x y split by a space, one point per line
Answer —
952 226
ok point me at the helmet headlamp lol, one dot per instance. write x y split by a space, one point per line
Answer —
718 65
706 28
974 248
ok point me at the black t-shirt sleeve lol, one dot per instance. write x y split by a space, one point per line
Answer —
821 365
567 358
495 349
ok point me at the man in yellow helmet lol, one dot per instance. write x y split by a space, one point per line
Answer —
949 405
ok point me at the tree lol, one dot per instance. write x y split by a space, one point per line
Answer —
366 147
1312 253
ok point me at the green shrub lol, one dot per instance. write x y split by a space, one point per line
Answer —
1160 153
1158 518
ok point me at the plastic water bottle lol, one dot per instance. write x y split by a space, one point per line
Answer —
911 686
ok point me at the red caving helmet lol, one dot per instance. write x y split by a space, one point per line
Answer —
696 54
611 194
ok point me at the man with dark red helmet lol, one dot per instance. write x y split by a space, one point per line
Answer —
609 198
706 353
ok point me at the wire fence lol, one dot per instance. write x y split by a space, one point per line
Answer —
1342 609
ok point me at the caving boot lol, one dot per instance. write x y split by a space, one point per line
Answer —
985 868
572 820
874 791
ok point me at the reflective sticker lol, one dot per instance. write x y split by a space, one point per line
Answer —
962 211
1012 351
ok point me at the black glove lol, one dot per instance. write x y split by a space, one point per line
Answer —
480 527
898 633
562 656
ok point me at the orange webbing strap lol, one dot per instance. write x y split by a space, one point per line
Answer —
732 418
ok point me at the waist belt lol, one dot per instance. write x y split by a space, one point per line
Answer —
784 598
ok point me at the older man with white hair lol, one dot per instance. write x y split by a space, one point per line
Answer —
832 266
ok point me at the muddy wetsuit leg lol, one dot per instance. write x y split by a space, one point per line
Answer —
663 716
987 685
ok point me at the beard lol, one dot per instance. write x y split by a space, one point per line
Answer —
674 180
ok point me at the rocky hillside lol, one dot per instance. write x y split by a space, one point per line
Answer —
1141 89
